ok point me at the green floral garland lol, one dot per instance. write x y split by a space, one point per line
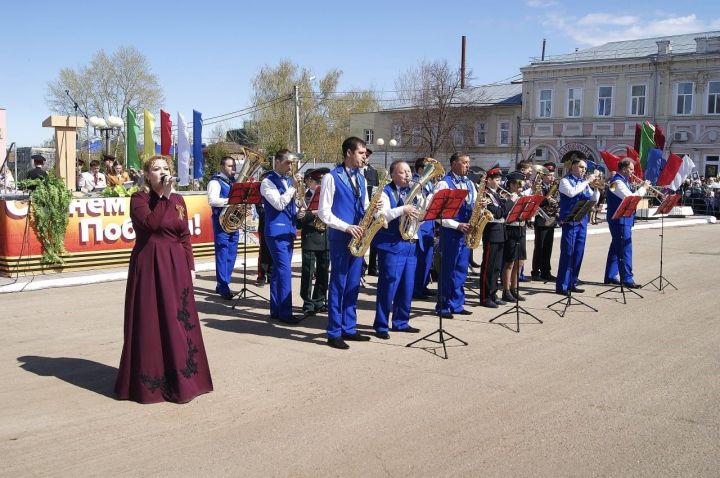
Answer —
50 202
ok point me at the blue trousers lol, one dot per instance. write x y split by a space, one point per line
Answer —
226 246
455 259
395 286
281 251
343 291
424 256
573 240
620 247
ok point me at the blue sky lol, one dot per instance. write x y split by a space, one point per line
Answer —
205 54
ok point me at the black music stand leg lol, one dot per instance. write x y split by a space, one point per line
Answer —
621 263
568 299
246 293
516 308
661 287
442 333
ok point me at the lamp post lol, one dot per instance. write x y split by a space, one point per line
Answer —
296 97
381 142
106 126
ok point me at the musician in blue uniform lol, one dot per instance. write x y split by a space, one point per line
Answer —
425 240
396 256
574 187
226 244
278 193
455 255
343 201
493 242
619 259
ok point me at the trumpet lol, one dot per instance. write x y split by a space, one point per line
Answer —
595 181
636 181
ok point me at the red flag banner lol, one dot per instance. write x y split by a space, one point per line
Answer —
611 161
659 138
632 154
638 134
165 133
667 175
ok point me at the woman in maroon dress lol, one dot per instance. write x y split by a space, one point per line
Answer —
163 357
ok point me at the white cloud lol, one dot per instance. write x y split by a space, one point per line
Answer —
599 28
540 3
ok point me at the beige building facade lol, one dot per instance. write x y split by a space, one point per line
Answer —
590 100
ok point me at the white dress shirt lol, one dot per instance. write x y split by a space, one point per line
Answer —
442 184
622 191
327 193
270 192
213 193
571 191
87 181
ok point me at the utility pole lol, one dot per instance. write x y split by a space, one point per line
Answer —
297 118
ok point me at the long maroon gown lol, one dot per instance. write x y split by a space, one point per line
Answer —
163 357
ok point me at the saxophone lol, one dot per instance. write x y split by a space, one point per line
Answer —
370 224
478 219
552 206
409 226
232 218
300 188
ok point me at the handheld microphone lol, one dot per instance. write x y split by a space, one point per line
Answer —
165 177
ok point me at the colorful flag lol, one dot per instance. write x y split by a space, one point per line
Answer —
655 164
132 131
638 133
683 170
632 154
198 161
647 142
611 161
183 148
165 133
659 138
149 149
672 166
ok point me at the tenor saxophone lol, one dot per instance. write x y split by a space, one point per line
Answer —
409 226
478 219
369 223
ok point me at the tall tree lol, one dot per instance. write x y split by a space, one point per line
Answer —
107 85
432 107
324 113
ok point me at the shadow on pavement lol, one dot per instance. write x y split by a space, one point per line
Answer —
93 376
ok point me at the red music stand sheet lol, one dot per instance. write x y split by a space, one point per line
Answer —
245 193
445 204
627 207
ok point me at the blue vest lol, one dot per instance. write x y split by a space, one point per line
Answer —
567 203
613 202
388 239
225 185
465 211
277 222
346 206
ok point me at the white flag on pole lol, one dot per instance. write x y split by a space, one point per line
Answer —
685 169
183 152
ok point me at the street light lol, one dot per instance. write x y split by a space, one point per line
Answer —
380 142
106 126
296 95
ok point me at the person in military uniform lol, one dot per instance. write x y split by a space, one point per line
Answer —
544 229
315 251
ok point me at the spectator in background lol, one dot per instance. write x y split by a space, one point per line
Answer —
37 172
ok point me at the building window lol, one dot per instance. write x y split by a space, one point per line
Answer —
574 102
369 136
415 140
480 131
684 98
604 100
714 98
504 133
711 166
458 136
397 133
545 103
637 100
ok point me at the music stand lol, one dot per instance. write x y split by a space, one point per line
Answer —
665 207
245 194
524 209
625 210
577 214
444 205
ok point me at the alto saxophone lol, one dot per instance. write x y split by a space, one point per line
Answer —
409 226
369 223
478 219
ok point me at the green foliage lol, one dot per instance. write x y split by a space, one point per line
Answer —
118 191
49 203
215 152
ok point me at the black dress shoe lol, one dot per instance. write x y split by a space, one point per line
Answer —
407 330
382 335
338 343
536 277
611 281
490 304
474 264
632 286
322 309
517 294
464 312
548 277
577 290
356 337
446 315
507 296
372 272
309 313
295 319
560 292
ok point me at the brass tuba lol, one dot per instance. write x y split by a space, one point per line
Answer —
409 226
232 218
370 224
478 219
